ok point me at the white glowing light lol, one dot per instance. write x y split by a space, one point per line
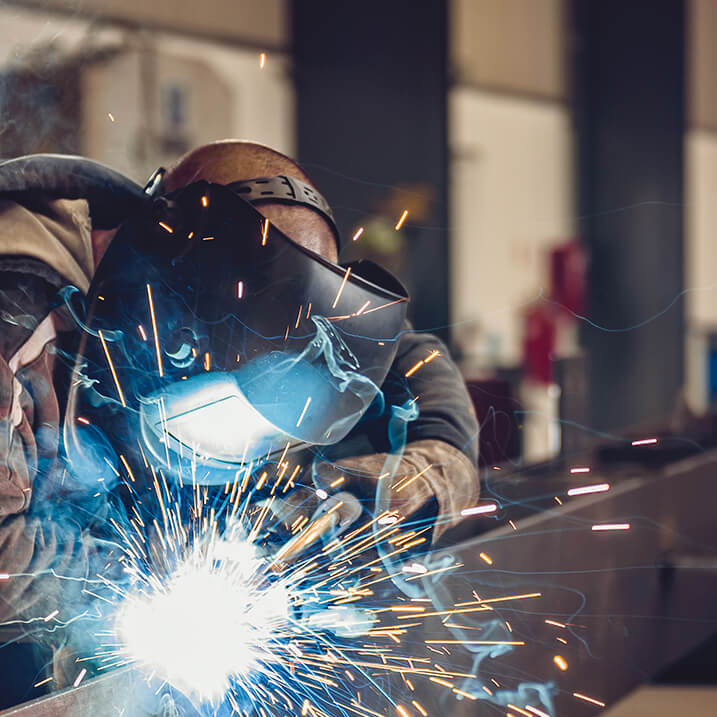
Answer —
536 711
586 489
207 414
79 677
480 509
211 621
342 620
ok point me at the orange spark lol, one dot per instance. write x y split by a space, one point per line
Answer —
588 699
154 329
341 288
112 367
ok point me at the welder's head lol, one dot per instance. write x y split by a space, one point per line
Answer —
231 161
219 326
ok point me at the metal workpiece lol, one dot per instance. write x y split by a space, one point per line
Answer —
608 586
98 697
595 597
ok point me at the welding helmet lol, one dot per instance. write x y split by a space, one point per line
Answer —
213 341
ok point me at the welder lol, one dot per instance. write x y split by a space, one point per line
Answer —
58 226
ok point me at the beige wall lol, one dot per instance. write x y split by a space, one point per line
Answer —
23 31
700 196
228 94
702 63
665 702
124 73
256 22
701 225
700 259
131 88
510 45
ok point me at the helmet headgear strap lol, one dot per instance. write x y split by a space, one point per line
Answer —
281 189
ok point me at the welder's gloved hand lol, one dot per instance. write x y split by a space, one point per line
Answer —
428 470
302 501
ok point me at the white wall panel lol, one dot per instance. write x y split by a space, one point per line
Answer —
512 197
700 259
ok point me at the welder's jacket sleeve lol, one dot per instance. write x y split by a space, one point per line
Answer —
40 537
438 443
444 434
47 238
446 411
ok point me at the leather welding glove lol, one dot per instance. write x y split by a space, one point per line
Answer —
428 470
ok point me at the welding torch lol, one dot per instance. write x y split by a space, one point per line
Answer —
334 515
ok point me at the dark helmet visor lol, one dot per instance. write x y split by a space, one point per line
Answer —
225 340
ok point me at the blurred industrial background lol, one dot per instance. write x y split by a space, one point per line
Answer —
557 159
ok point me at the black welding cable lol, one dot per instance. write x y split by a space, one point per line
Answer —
111 196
